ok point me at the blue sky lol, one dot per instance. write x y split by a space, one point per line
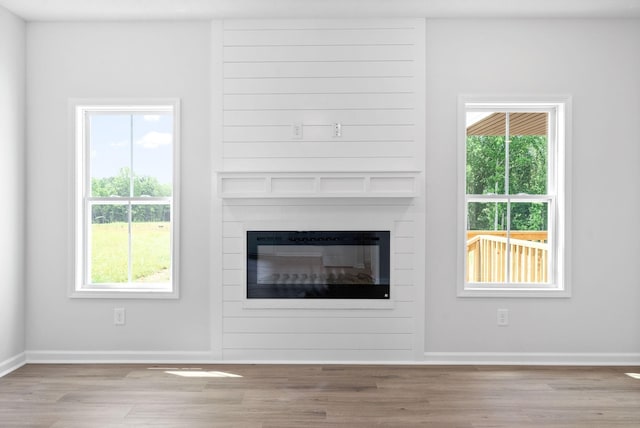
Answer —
116 139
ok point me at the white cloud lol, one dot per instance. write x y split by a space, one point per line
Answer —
151 117
153 140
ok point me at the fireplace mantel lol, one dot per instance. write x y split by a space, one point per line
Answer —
365 184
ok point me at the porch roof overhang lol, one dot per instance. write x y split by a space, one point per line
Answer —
519 124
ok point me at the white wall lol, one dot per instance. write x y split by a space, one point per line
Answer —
12 176
597 63
103 60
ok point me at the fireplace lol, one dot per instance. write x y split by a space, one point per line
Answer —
318 264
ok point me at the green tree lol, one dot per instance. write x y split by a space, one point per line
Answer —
486 174
120 185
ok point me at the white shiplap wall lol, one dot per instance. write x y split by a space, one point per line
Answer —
366 76
362 74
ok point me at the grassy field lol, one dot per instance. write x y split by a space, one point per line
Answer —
150 252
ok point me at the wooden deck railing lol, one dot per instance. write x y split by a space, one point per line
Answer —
487 256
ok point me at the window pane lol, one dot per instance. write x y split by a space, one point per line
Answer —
151 243
486 242
529 242
109 244
491 216
153 154
110 154
485 153
528 153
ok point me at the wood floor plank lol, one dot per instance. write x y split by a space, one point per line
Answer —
309 396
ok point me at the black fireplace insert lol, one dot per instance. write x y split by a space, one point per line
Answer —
318 264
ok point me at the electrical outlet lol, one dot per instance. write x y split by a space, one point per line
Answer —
119 316
503 317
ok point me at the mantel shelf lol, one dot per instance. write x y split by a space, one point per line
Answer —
387 184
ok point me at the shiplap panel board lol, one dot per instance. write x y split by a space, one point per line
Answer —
403 293
233 261
318 101
336 163
248 214
319 37
388 207
320 133
347 149
357 217
318 24
320 213
232 277
403 261
402 276
405 228
404 245
232 245
317 341
232 229
315 324
317 355
235 292
379 117
252 54
319 85
236 309
239 70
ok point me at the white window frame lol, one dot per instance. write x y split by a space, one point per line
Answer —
79 287
559 188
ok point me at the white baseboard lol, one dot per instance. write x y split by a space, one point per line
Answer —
430 358
533 358
118 357
150 357
13 363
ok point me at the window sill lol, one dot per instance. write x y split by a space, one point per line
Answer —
123 294
515 293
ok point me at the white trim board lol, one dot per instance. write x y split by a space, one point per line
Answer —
430 358
148 357
13 363
118 357
533 358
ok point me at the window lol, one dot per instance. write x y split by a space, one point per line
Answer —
512 195
126 199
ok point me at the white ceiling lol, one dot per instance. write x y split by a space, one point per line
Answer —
88 10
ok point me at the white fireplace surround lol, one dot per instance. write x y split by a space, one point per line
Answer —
247 186
316 329
279 165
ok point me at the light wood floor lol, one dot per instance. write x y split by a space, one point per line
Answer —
310 396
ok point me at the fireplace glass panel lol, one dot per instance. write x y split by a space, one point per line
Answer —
318 264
